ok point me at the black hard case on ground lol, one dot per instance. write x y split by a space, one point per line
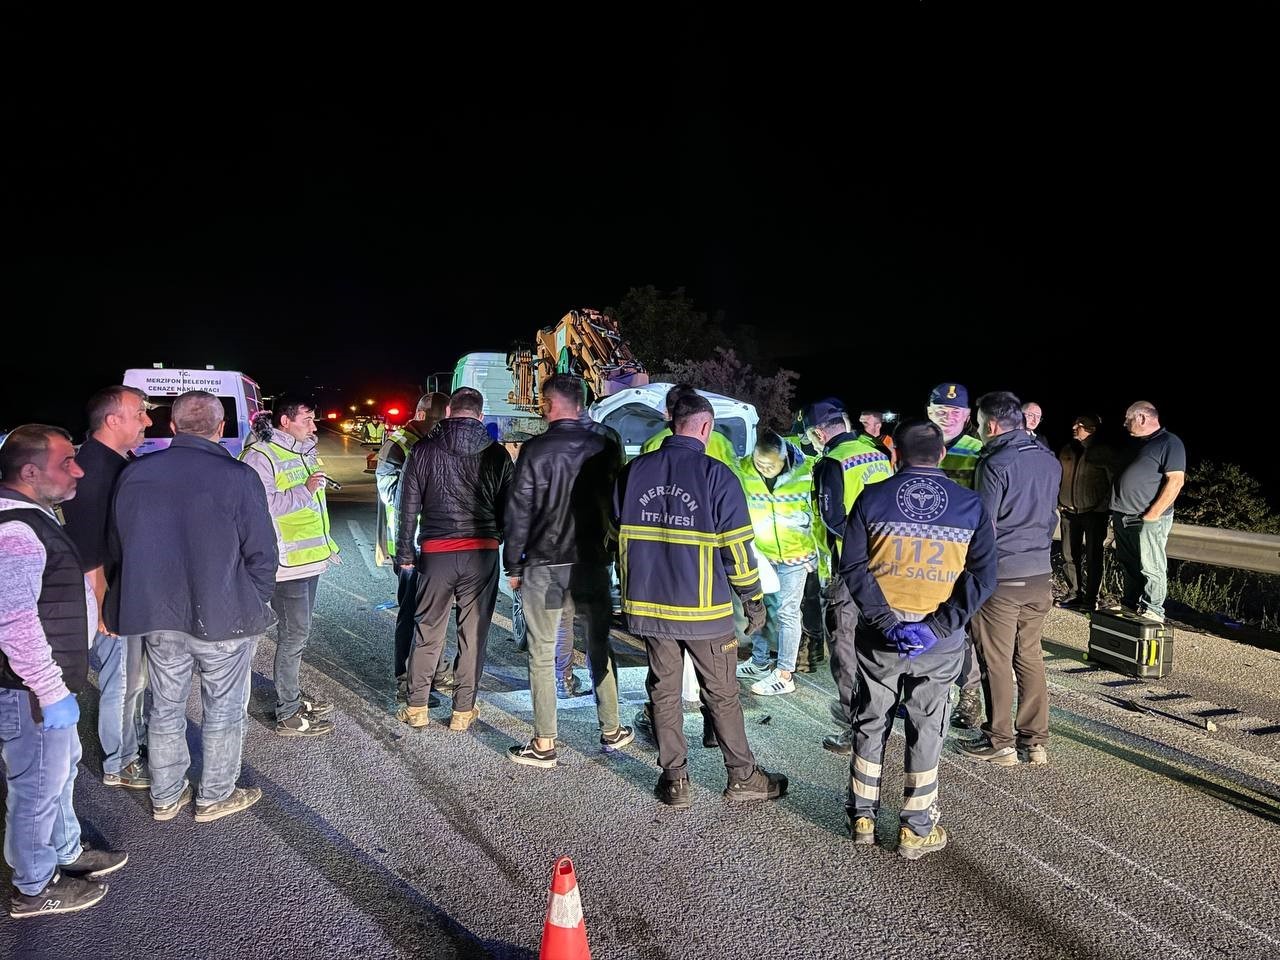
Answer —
1130 644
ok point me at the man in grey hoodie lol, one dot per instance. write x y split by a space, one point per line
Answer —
284 458
1017 479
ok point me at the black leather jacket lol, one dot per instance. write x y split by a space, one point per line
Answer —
561 499
454 485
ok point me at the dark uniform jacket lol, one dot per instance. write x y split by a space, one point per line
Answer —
919 548
684 542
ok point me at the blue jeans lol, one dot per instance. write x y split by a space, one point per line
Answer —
122 680
293 602
41 829
783 624
224 668
1141 552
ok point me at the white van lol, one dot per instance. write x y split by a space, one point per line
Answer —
240 397
637 413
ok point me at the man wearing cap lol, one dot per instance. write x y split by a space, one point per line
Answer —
850 461
1084 500
949 411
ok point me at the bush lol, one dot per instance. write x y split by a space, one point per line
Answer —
1224 496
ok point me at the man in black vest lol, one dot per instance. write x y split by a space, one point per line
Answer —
44 656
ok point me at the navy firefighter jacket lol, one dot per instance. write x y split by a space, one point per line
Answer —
919 547
684 542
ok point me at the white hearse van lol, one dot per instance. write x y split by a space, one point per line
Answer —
241 399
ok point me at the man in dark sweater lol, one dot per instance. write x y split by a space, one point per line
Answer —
191 566
1017 479
118 424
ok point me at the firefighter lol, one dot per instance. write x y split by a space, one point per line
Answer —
919 559
849 462
684 537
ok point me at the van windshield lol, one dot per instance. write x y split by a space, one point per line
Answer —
159 413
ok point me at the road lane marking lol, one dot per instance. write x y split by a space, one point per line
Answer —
357 532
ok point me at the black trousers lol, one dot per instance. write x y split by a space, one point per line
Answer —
406 623
1082 538
468 578
715 661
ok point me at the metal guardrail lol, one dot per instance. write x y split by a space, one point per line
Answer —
1259 552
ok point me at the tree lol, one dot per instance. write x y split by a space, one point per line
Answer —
1224 496
726 373
664 329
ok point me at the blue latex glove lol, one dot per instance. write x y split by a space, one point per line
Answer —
64 713
912 639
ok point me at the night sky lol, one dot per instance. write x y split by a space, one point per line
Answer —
1080 211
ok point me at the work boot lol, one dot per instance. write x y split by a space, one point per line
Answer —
1037 755
839 743
862 830
984 751
968 712
913 846
413 716
760 785
62 894
461 720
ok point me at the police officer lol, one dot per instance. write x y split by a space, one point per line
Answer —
684 539
919 559
949 411
850 461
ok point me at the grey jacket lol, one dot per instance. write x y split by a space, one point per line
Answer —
1017 479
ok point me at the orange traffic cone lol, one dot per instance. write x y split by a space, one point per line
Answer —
564 933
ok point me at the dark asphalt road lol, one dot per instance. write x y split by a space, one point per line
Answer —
1145 837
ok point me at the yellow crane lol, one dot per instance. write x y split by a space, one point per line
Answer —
585 343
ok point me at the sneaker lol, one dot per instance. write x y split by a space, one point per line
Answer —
1037 754
94 864
413 716
170 810
133 777
241 799
750 670
913 846
761 785
984 751
617 739
531 756
62 894
461 720
968 712
570 686
839 743
319 709
674 793
773 685
863 831
303 724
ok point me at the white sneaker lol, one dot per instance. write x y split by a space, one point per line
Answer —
749 670
774 684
